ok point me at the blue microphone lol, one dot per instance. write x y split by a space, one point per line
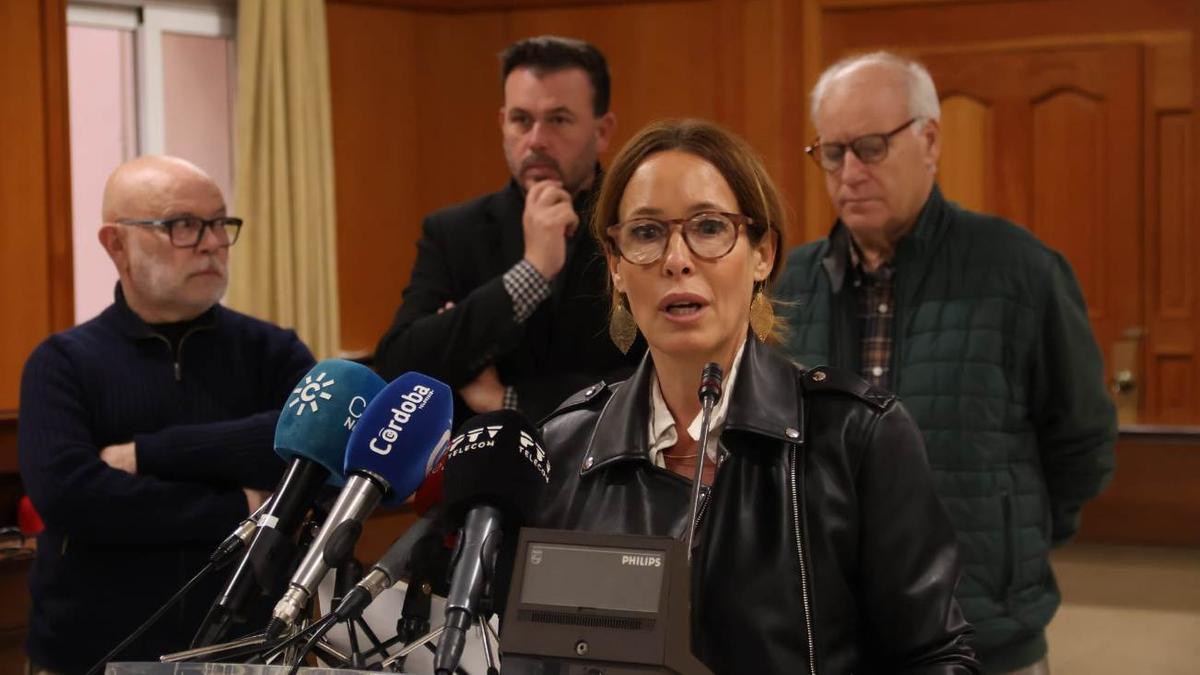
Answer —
314 425
322 411
397 439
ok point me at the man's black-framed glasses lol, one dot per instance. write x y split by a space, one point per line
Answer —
187 231
869 149
709 235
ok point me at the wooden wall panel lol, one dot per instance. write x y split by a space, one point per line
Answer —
1173 306
1175 242
1175 379
1154 497
34 264
414 128
967 128
35 236
873 25
1069 161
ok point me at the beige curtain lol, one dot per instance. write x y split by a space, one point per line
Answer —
285 263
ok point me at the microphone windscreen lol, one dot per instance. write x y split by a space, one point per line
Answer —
429 493
401 434
497 458
321 411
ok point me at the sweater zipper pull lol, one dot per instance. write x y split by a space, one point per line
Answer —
178 372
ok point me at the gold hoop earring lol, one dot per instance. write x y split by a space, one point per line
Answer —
762 315
621 327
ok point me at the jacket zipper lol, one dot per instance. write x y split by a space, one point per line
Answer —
812 652
179 353
705 491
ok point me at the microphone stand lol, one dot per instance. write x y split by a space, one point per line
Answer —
710 392
493 667
485 629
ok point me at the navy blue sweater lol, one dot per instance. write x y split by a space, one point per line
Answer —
202 415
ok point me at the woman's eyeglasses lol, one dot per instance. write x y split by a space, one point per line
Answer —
709 235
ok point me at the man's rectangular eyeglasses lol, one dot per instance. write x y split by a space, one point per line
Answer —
187 231
709 235
869 149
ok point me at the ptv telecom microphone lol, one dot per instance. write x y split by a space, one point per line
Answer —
496 469
397 439
311 435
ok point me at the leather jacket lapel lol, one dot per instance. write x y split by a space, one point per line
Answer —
620 432
765 400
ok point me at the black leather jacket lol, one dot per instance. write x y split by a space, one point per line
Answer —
822 546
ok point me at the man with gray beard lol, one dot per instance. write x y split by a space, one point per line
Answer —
145 434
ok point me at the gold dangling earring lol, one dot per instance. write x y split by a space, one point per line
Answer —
621 327
762 314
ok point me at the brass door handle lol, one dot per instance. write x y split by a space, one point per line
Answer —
1123 382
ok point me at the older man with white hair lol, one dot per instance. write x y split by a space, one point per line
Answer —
979 327
145 434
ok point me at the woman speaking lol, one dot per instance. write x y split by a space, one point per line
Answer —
820 545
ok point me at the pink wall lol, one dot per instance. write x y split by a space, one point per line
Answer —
198 103
100 79
198 82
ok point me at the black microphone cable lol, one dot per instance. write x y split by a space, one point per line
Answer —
204 571
322 628
279 646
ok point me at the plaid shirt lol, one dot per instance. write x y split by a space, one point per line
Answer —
875 314
528 289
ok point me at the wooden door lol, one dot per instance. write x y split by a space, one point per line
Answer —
1051 138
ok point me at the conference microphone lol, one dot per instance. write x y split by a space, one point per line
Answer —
398 438
311 435
239 538
709 393
390 569
394 563
496 469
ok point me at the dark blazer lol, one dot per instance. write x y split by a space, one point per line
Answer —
821 547
463 253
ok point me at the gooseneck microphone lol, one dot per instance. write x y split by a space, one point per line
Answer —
311 435
385 573
496 469
710 393
395 562
399 436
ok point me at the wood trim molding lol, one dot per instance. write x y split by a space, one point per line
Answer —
466 6
840 5
58 165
